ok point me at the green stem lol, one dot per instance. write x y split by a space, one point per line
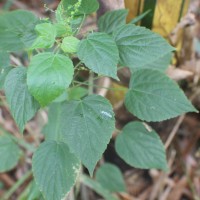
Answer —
76 32
8 194
91 83
77 65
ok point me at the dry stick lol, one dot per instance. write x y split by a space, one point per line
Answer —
16 60
174 131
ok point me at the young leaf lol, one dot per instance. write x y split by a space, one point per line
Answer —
155 97
110 177
55 169
100 54
9 153
22 104
70 44
98 188
46 36
112 20
61 29
85 125
86 6
139 46
17 30
141 148
48 76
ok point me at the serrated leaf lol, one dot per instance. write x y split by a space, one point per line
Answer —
161 63
86 6
85 125
70 44
17 30
4 59
139 17
61 29
77 93
22 104
110 177
61 98
140 147
100 54
9 153
46 36
112 20
98 188
52 128
48 76
4 67
3 74
55 169
139 46
155 97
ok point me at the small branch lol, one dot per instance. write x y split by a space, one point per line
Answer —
174 131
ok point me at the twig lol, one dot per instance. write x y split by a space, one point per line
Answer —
15 60
174 131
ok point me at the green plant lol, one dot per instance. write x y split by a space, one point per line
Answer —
80 125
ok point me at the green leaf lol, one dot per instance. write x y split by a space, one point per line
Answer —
86 6
22 104
33 192
3 74
140 147
161 63
4 59
46 36
100 54
4 67
110 177
85 125
70 44
98 188
139 17
55 169
155 97
52 129
9 153
17 30
61 98
60 29
112 20
139 46
48 76
77 93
